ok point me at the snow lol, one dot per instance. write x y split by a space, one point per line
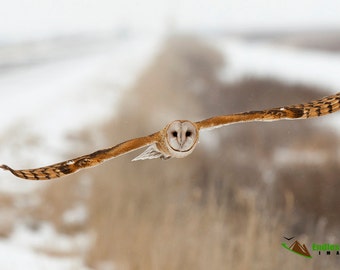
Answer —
289 64
290 156
21 250
16 258
62 84
76 215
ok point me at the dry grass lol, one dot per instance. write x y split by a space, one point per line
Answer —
215 209
7 215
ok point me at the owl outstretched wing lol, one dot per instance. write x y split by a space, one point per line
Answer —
314 108
179 138
73 165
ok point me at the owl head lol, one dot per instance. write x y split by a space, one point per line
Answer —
181 138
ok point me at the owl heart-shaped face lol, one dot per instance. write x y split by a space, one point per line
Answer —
182 137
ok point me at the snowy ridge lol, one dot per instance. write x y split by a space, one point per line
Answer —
289 64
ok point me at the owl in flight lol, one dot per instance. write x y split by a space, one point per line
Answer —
179 138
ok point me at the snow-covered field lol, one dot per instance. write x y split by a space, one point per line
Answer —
21 250
47 102
51 88
43 103
291 64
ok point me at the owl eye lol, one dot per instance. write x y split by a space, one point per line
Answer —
188 133
174 133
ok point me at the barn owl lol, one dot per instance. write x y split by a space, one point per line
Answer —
179 138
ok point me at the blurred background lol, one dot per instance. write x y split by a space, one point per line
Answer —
80 75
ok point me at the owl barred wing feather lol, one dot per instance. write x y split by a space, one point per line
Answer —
315 108
73 165
320 107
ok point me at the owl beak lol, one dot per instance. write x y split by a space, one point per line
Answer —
180 138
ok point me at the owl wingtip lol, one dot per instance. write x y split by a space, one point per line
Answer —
6 168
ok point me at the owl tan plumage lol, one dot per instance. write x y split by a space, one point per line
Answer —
179 138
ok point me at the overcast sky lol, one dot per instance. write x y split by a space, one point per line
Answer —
31 18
